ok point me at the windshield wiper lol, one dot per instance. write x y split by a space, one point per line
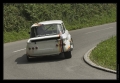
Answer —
40 35
47 34
54 33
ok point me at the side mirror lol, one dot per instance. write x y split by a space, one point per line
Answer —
28 32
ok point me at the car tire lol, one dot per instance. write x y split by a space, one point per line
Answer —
67 54
72 44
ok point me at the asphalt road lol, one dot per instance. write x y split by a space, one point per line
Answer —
16 66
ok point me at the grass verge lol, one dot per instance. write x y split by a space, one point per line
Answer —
14 36
105 53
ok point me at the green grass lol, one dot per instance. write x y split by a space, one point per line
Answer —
93 21
81 16
14 36
105 54
74 16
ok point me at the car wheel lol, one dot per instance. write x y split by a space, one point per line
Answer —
71 43
67 54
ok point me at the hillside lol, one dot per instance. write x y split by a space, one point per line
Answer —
19 17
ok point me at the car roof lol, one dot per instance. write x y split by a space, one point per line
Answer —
48 22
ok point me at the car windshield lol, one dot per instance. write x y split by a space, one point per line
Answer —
45 30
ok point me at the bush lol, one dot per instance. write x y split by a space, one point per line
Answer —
21 16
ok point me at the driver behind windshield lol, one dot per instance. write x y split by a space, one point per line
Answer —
40 30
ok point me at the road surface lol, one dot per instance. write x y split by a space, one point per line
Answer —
16 66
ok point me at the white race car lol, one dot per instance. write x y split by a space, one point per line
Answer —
49 38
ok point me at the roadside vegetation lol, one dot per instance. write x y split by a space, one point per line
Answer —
18 17
105 53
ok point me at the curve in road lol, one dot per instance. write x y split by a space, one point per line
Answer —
16 66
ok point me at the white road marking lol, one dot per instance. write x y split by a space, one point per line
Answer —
70 68
19 50
98 30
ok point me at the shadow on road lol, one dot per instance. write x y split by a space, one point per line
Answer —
23 59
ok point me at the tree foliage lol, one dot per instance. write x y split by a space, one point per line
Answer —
21 16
